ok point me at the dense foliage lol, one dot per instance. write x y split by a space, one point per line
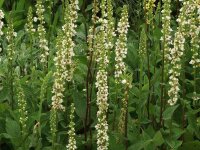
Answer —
99 74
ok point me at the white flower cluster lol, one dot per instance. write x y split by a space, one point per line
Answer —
72 141
43 43
107 23
92 29
196 96
29 24
122 117
166 29
177 51
23 114
71 16
1 22
194 30
194 34
142 45
1 25
110 26
95 10
102 98
121 49
63 60
90 38
58 86
148 8
53 123
50 5
58 89
120 67
126 83
101 52
149 4
103 7
10 35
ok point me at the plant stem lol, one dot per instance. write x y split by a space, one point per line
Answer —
183 97
126 120
89 79
88 95
162 87
149 76
11 87
140 88
11 79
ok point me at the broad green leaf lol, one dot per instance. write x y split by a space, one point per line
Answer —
80 104
12 128
135 91
158 139
89 7
115 143
168 113
14 132
193 145
1 3
174 144
20 4
140 145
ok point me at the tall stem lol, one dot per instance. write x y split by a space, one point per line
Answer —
183 96
140 88
149 76
162 87
126 121
89 78
11 85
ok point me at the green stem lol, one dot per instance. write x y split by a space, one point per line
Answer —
11 79
149 77
162 87
126 120
140 89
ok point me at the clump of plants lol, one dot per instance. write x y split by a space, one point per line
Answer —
99 74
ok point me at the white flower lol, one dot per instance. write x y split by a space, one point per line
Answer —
166 29
43 43
124 81
177 51
29 24
1 14
35 19
15 34
72 141
1 22
121 50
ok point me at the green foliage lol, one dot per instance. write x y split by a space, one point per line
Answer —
152 124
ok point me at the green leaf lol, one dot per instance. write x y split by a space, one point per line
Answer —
135 91
89 7
114 143
56 17
1 3
80 104
13 130
20 5
192 126
4 94
168 113
140 145
174 144
158 139
193 145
